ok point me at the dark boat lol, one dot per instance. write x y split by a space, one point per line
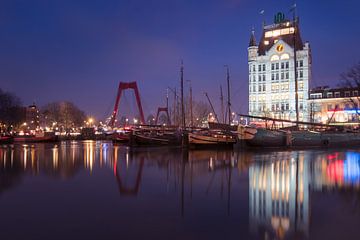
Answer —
156 137
222 126
37 137
6 139
265 138
121 137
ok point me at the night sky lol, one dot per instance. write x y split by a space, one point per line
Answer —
80 50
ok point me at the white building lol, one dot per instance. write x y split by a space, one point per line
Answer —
271 71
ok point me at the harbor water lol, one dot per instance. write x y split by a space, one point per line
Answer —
97 190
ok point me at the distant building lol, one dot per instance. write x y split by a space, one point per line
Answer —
272 68
32 117
334 105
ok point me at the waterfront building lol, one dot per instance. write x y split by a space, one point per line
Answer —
272 71
334 105
32 117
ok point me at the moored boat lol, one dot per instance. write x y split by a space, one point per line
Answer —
37 137
211 138
121 136
6 139
267 138
156 137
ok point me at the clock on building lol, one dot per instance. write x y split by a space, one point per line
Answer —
280 48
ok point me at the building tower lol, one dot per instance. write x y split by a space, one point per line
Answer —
272 71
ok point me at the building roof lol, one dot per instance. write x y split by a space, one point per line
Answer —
288 38
334 92
252 41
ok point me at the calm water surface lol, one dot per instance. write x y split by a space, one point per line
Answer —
94 190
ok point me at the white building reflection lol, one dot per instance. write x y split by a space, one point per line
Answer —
280 185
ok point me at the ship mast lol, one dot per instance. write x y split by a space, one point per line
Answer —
295 67
228 89
212 106
222 105
182 95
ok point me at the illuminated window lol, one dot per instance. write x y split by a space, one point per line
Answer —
285 31
266 42
276 33
285 56
274 58
329 95
268 34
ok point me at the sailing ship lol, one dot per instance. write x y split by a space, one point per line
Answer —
321 135
211 138
156 137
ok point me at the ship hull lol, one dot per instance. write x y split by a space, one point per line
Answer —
266 138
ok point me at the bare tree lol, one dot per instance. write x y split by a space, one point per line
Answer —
65 114
11 110
351 79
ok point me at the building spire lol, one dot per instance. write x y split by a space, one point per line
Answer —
252 42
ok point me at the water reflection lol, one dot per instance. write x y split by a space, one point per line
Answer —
280 186
278 192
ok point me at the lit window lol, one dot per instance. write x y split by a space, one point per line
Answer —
266 42
285 31
274 58
268 34
285 56
276 33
